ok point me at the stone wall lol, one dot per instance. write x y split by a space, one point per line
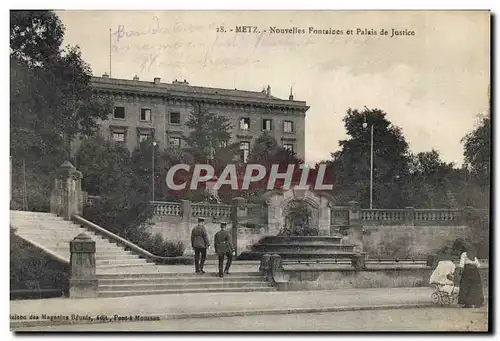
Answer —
372 278
410 241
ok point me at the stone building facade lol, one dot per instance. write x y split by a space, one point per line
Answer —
161 110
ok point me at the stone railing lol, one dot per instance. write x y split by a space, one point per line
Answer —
383 217
162 208
211 210
443 217
341 215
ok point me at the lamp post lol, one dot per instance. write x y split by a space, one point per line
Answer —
365 124
153 170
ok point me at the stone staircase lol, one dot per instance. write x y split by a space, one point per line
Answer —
125 273
128 284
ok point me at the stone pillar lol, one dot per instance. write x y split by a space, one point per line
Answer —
186 213
83 279
66 197
355 234
239 217
409 216
466 215
273 215
324 216
265 263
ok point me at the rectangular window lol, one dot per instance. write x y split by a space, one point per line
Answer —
244 151
174 142
119 113
267 124
288 146
175 118
118 137
288 126
244 123
144 137
145 114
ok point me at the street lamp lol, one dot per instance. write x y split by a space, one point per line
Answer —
153 170
365 124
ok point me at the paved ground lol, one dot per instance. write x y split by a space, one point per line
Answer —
221 302
421 319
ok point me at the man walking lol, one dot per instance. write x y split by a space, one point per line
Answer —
199 243
223 247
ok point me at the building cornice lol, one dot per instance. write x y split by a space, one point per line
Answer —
187 95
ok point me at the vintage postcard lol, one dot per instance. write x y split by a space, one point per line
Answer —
250 170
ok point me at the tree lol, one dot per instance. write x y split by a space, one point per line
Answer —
477 151
429 185
51 99
349 168
208 130
35 36
104 165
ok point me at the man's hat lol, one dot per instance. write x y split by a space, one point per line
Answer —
200 219
223 224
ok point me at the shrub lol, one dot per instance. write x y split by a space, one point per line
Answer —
31 269
174 249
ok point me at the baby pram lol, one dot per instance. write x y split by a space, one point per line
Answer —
442 279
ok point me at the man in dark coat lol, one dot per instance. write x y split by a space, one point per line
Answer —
199 243
223 247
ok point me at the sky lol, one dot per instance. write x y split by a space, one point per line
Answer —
432 84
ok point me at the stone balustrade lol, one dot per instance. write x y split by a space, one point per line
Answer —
211 210
166 208
408 216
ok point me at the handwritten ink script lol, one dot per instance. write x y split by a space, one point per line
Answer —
187 44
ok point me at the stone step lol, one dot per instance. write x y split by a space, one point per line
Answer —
181 291
34 215
297 255
68 238
113 266
120 261
314 240
60 236
277 248
181 285
41 222
168 275
118 256
233 277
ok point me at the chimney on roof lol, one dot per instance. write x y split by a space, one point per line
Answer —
291 95
105 75
268 91
136 78
179 82
157 80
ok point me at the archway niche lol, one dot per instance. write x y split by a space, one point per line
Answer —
280 201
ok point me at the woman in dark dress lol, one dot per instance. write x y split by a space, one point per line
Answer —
471 288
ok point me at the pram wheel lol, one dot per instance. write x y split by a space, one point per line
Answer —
445 299
435 297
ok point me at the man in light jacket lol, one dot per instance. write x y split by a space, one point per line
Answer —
223 247
199 243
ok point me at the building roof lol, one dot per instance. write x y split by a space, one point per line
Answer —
184 89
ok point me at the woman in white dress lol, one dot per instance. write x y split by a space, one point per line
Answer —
471 288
